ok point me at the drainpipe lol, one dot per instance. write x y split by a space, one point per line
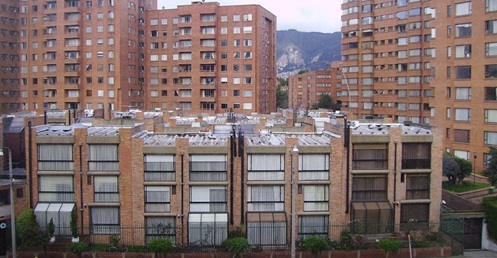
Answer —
241 153
81 210
346 144
30 172
182 194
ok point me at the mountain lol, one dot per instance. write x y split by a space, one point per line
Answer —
306 50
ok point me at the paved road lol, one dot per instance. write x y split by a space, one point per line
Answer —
479 254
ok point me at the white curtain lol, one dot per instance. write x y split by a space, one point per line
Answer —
266 167
462 114
55 157
266 198
106 189
491 5
159 168
208 167
103 157
208 199
491 138
105 220
56 189
316 197
463 9
314 166
157 199
491 115
266 233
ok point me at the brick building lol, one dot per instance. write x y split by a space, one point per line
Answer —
193 186
430 62
121 55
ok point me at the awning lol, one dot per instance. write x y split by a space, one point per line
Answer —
266 217
59 212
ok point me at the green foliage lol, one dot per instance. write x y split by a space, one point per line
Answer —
236 245
325 101
115 244
160 246
51 228
490 204
236 232
73 223
29 232
464 187
282 81
455 169
303 71
390 245
281 98
491 171
78 248
315 244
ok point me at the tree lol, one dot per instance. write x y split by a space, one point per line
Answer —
450 169
29 232
315 244
325 101
465 168
160 246
281 98
78 248
236 245
303 71
282 81
491 171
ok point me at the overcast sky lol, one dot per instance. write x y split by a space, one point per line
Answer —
303 15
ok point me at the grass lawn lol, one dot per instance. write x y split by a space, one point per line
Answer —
464 187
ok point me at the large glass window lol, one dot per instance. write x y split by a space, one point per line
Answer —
157 199
369 188
208 167
490 5
463 9
418 186
370 156
491 71
56 188
463 72
313 226
316 197
462 114
207 229
105 220
208 199
159 167
106 189
164 227
416 155
103 157
491 115
490 138
266 198
266 228
463 30
414 216
266 167
314 167
55 157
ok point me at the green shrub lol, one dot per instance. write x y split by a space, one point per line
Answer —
73 223
315 244
160 246
390 245
236 245
51 228
490 204
78 248
29 232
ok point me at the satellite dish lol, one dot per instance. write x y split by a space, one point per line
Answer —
203 123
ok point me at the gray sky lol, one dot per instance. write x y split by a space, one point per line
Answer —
304 15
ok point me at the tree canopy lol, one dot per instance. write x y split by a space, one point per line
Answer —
491 171
456 169
325 101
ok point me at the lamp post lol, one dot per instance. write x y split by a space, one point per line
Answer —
12 206
295 150
474 168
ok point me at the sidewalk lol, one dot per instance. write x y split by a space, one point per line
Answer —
479 254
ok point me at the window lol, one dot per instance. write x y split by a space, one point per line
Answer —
265 198
208 168
463 93
266 167
463 9
462 114
105 220
491 27
266 229
164 227
103 157
56 188
369 188
490 115
418 186
491 71
53 157
416 155
463 30
106 189
491 138
208 199
157 199
490 5
491 48
463 51
313 226
463 72
414 216
316 197
461 135
490 93
370 156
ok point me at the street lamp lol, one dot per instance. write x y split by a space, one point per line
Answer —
295 151
12 207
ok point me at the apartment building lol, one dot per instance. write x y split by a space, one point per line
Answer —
386 57
207 58
9 68
305 90
464 76
193 187
120 55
